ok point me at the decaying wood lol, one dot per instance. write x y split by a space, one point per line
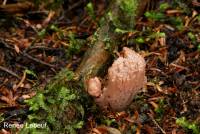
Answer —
98 56
95 58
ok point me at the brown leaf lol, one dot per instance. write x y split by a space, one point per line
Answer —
17 48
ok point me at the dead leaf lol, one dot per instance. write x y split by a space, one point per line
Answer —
17 48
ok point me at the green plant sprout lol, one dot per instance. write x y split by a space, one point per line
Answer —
90 10
163 6
156 16
30 72
160 109
188 125
192 37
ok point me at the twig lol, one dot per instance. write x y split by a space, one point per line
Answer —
75 5
197 87
4 2
26 55
21 82
179 66
154 121
2 41
37 60
48 19
9 71
42 48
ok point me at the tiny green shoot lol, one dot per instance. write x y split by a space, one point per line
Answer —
192 37
164 6
188 125
90 10
30 72
198 47
42 33
140 40
156 16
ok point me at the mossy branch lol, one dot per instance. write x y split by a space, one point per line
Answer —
122 14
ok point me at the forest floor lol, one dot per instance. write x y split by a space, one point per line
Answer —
34 46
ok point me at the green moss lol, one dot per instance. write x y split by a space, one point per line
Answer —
75 45
128 6
59 106
114 19
107 42
125 8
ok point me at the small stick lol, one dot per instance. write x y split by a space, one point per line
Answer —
43 48
27 55
21 82
9 71
154 121
37 60
4 2
75 5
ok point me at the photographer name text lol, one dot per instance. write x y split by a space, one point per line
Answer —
26 125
